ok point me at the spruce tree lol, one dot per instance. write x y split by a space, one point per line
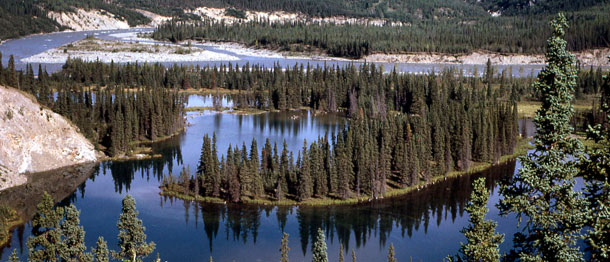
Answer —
101 250
391 253
44 243
319 248
284 249
542 192
73 248
483 243
132 239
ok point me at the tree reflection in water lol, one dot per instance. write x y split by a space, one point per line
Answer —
412 212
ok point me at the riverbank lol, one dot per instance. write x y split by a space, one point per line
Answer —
522 147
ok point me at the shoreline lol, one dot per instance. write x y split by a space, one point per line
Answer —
236 50
520 149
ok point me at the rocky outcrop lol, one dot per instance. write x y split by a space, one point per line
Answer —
82 20
35 139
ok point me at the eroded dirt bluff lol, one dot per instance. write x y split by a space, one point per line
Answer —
35 139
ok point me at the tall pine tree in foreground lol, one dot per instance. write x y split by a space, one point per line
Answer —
319 248
483 243
595 165
542 192
132 239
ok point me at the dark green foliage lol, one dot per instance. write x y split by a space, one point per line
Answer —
319 248
403 122
73 247
110 117
483 242
44 244
132 239
235 13
284 249
24 17
542 192
594 167
526 34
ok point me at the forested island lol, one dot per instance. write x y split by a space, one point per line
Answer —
404 132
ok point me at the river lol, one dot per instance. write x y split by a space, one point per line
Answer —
423 225
35 44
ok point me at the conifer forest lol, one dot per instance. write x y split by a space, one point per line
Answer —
304 130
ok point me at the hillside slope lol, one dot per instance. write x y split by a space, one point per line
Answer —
34 139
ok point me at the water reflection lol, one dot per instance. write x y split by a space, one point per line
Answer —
403 215
423 225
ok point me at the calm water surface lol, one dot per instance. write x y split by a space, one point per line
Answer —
423 225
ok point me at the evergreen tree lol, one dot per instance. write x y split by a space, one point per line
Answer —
73 248
132 239
284 249
44 243
101 250
391 254
319 248
483 243
542 191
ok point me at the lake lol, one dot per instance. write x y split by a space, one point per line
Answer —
423 225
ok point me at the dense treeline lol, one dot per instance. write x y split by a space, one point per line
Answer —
111 116
24 17
590 29
327 89
19 18
407 11
443 123
521 7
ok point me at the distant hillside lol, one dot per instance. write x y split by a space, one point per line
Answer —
24 17
434 22
524 7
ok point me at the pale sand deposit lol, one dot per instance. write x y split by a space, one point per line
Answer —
107 51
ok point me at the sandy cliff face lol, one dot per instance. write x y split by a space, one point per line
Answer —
82 20
34 139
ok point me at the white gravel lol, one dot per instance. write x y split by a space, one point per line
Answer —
58 56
